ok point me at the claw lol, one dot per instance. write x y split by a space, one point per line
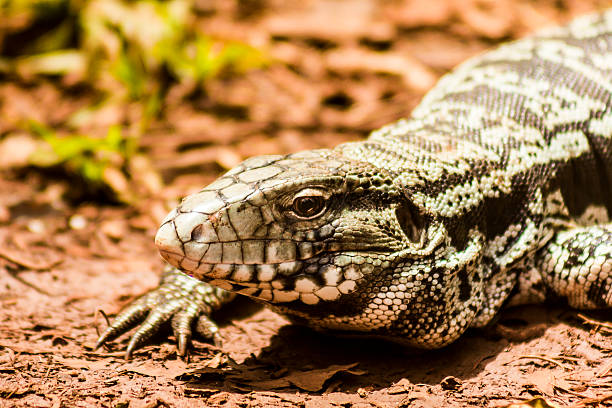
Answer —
136 341
181 326
182 342
127 319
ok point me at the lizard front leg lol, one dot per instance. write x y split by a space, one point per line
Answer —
184 301
577 265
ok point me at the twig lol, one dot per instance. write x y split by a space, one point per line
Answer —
548 359
598 324
105 316
18 278
590 401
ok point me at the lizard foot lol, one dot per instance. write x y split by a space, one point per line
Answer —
184 301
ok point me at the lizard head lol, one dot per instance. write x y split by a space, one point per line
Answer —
297 231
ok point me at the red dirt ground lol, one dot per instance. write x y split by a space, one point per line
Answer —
344 68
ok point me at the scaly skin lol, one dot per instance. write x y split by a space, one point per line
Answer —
498 184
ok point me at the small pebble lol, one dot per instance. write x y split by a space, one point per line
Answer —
36 226
77 222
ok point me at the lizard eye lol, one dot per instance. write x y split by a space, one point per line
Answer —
309 203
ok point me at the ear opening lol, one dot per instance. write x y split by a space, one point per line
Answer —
410 220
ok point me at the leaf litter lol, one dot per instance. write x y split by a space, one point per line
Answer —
331 72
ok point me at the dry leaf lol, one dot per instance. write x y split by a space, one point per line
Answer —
35 257
543 381
312 380
167 368
402 386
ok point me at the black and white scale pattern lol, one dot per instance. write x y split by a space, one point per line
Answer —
499 184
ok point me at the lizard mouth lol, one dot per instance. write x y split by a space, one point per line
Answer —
321 278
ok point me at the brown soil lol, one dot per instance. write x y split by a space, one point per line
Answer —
345 68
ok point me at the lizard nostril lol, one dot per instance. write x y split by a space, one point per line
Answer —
196 233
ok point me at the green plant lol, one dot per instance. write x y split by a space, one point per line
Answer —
100 162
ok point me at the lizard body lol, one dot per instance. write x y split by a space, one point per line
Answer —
497 189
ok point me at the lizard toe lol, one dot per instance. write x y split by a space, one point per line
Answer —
181 326
128 318
155 319
207 328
